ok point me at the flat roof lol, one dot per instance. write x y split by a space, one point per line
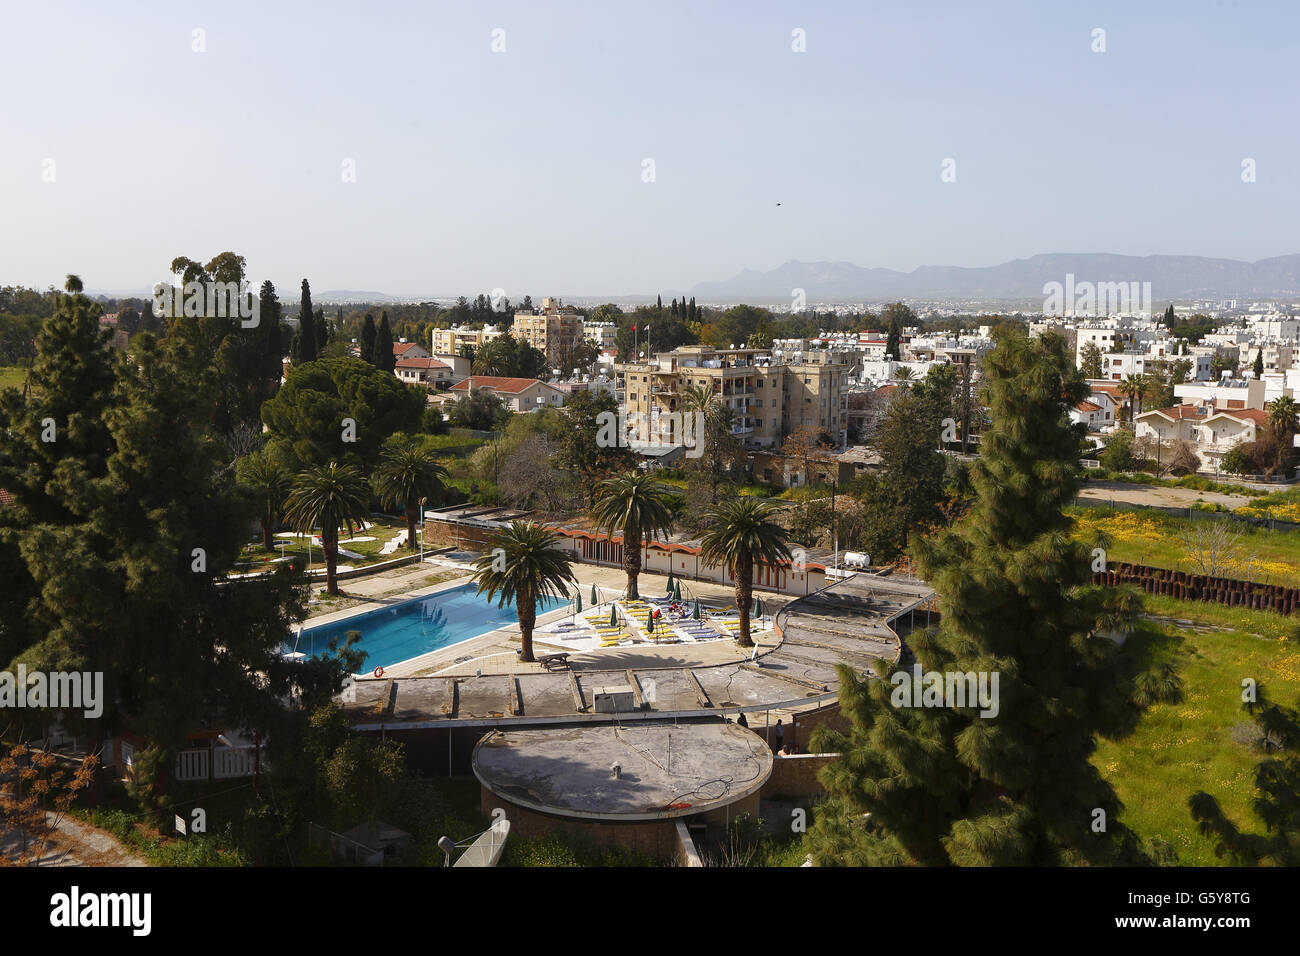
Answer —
666 770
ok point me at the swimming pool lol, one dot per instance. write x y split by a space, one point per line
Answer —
412 628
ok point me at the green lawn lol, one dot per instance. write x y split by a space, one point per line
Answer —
1150 537
382 530
12 376
1180 748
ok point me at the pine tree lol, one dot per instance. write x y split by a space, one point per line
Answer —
368 334
307 350
943 784
383 354
1259 364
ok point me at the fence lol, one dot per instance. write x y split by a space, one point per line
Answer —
1190 586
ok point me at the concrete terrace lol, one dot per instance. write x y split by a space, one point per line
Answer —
795 669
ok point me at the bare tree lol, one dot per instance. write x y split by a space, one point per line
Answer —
1214 548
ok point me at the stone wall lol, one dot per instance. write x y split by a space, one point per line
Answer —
796 776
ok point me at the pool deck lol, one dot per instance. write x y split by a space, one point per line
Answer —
481 682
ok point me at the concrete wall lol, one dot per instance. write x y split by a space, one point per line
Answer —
657 838
796 776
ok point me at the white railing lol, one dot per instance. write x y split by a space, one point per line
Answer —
232 762
192 765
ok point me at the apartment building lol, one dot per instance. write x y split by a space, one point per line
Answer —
555 331
768 399
603 335
450 341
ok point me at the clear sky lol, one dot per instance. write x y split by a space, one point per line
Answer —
523 169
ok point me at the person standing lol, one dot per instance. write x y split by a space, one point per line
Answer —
780 735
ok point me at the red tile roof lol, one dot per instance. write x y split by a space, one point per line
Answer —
1088 407
421 362
1244 414
399 348
6 498
496 383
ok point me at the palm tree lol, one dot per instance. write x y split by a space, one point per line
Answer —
407 474
1133 388
904 375
523 567
740 532
332 496
1282 422
634 505
73 284
270 482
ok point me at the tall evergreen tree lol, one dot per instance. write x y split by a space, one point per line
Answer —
944 784
324 333
368 335
307 350
383 355
1258 368
269 320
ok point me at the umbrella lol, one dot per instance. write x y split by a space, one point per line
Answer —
613 615
650 626
677 591
578 609
594 599
670 582
695 615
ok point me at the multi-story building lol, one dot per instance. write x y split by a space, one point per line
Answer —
450 341
555 331
603 335
768 400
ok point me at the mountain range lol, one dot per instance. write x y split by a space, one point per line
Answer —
1171 277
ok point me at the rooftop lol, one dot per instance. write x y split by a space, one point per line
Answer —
665 770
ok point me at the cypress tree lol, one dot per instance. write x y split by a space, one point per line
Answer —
306 338
368 334
384 357
269 321
943 784
324 334
1259 364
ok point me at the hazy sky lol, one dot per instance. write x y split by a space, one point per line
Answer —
524 169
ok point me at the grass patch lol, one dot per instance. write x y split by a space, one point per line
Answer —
12 376
1150 537
1198 743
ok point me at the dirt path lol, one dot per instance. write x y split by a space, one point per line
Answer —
73 843
1156 495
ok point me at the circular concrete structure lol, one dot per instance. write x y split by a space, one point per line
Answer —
665 770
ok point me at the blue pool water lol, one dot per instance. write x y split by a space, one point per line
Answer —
412 628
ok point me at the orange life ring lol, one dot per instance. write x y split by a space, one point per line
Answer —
379 672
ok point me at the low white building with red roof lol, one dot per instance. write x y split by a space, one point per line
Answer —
518 394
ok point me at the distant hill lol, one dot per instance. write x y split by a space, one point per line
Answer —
1171 277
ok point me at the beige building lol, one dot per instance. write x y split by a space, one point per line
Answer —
450 341
768 401
555 332
518 394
